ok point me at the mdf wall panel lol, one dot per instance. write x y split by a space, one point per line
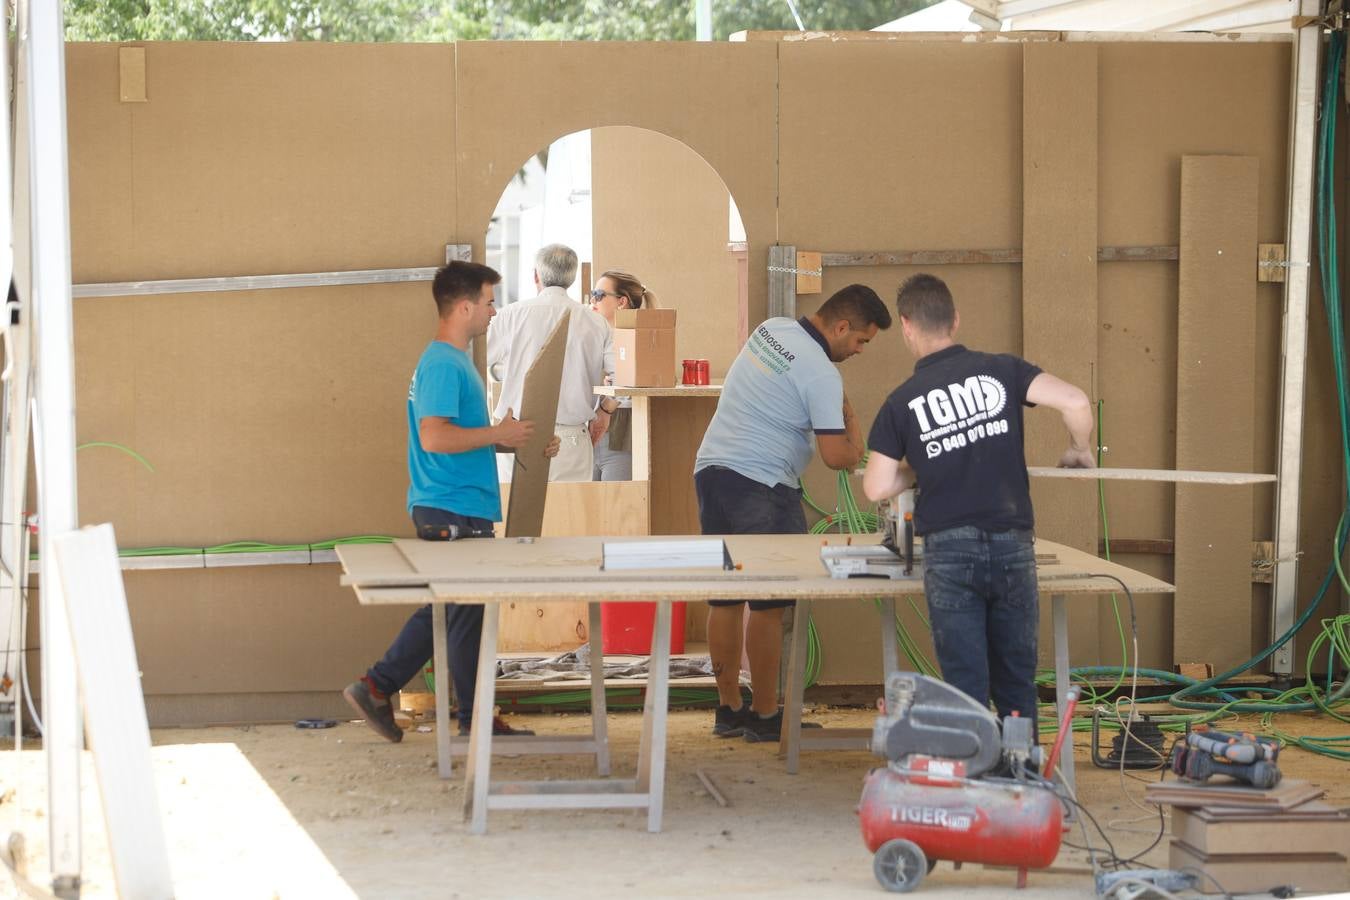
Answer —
660 213
264 629
275 416
890 146
717 99
1059 259
1059 286
1215 383
250 159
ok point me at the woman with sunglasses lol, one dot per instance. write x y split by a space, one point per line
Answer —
611 429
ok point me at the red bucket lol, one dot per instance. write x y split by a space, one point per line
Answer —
626 628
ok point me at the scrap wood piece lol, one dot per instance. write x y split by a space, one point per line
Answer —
1289 793
1177 475
711 788
538 404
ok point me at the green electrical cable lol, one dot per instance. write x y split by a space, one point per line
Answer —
127 450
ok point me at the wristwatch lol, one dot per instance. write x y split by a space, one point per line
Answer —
610 410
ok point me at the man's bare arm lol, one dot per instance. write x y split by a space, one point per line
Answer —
885 477
1075 408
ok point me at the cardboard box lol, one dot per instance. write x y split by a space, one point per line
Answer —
644 348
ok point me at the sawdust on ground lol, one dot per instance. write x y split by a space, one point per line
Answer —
274 811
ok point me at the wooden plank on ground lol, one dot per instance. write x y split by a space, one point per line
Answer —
1059 282
114 711
538 404
1216 381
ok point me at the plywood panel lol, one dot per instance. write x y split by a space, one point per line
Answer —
262 158
660 212
539 404
677 428
572 508
667 88
1215 346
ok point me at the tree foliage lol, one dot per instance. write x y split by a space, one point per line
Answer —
446 20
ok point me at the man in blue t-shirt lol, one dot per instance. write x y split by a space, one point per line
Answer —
453 492
956 427
782 389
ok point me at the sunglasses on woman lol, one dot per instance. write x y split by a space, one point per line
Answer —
599 294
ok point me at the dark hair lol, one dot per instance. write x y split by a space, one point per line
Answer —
457 281
859 305
927 302
632 289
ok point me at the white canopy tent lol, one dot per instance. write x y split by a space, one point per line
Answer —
1219 16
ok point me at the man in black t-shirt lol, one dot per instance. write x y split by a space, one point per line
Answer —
955 427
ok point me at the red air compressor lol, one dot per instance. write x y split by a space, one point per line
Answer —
956 787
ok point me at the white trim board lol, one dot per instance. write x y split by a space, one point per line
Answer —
1182 475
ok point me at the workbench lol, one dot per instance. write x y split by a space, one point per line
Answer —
553 570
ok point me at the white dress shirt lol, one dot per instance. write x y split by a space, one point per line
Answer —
517 335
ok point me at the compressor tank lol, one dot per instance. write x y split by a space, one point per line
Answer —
996 823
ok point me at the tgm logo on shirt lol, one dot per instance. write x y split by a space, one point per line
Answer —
960 414
944 410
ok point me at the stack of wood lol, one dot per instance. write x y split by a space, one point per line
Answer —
1247 840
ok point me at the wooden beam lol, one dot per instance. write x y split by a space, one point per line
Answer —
1010 256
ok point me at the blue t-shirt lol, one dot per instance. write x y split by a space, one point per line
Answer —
447 385
781 388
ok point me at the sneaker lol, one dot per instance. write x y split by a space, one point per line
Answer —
759 729
499 729
375 708
730 723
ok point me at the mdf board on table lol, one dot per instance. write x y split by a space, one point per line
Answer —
1216 345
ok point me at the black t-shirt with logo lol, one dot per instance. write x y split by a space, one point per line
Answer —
958 420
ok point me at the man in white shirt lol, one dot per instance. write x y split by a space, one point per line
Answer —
516 337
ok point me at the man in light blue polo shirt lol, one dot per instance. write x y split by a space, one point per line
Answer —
782 390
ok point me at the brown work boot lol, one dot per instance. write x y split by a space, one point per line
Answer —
374 707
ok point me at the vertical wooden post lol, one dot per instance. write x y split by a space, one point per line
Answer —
782 281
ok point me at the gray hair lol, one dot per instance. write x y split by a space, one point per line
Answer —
556 266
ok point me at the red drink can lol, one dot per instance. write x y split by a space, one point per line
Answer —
704 371
690 372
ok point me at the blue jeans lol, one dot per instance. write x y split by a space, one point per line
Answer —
463 628
984 608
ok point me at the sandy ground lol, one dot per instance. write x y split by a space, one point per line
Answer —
272 811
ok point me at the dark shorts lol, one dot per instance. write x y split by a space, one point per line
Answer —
730 503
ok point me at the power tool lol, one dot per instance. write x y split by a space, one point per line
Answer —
894 557
1245 757
957 786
